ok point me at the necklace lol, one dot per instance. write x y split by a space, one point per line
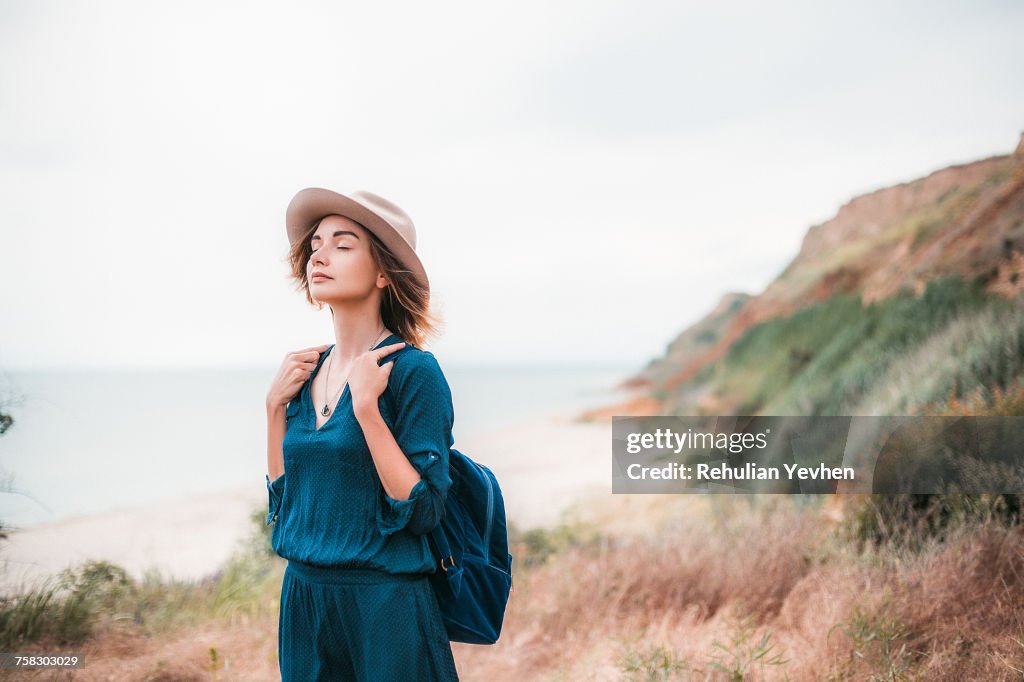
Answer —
326 409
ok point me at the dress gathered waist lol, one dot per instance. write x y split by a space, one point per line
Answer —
340 575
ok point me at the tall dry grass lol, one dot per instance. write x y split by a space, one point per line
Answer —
722 588
761 588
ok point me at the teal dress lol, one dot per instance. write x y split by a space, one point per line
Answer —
356 603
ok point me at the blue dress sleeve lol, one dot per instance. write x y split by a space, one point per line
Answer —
423 430
274 490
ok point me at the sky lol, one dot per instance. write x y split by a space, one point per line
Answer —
587 179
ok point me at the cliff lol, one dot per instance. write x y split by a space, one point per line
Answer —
884 249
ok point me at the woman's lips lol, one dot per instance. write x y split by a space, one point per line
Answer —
318 278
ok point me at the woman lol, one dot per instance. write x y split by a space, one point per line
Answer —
358 444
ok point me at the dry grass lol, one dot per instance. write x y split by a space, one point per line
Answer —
720 588
209 643
715 595
215 651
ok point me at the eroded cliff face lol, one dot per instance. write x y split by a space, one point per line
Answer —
964 220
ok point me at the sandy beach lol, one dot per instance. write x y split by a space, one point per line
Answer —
543 465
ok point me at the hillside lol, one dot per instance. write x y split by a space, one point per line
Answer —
903 280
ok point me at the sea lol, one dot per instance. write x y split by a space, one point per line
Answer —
91 441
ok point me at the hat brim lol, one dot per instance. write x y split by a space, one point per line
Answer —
313 203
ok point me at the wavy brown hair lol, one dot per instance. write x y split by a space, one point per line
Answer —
405 305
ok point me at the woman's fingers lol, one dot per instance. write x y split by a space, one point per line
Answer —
384 350
379 353
306 361
295 370
311 354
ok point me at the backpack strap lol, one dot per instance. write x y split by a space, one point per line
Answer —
436 539
440 548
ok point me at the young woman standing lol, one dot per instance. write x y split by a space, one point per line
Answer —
359 433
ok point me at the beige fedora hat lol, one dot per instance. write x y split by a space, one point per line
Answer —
378 215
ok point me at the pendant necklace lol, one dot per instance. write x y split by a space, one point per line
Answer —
326 409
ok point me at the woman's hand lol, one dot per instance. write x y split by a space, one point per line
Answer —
367 378
295 370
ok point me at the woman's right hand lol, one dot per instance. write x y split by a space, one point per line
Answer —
293 373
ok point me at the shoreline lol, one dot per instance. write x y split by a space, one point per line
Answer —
187 539
544 466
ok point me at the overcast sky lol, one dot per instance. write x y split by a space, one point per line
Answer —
586 178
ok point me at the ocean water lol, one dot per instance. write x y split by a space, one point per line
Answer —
90 441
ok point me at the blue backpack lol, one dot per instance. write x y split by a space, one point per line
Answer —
473 574
470 545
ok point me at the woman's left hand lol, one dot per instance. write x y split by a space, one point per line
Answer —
367 378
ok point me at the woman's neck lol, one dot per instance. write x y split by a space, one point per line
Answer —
356 334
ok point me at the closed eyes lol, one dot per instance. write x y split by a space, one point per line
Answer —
343 248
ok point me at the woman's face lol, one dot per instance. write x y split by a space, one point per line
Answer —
341 250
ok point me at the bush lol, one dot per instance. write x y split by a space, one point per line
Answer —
909 521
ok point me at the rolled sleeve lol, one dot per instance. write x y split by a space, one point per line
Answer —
423 430
275 489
